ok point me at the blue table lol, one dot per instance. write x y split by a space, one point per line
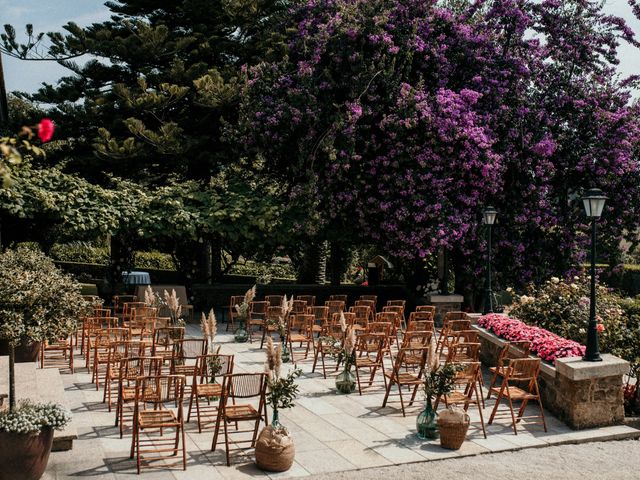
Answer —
136 278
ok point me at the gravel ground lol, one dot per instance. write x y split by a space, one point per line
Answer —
602 460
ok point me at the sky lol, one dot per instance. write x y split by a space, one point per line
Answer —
50 15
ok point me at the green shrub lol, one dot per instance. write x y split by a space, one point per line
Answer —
256 269
155 261
84 252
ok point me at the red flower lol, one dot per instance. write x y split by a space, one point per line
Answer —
600 327
365 284
45 130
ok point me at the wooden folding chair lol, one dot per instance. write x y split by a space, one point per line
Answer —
520 383
163 340
466 390
366 303
427 308
300 328
59 351
129 370
449 333
321 318
119 351
399 309
257 317
241 387
271 320
328 344
335 306
158 408
310 299
233 313
363 316
370 356
104 341
274 300
515 349
299 306
207 386
421 326
186 352
407 371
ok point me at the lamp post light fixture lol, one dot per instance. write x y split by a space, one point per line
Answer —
594 201
489 218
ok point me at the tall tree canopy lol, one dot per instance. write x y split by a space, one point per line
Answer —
398 120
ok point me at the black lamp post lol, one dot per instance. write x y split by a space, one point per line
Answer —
594 202
489 217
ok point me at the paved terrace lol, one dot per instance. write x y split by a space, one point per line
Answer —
332 432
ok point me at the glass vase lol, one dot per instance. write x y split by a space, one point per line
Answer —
275 420
241 335
346 381
286 354
427 423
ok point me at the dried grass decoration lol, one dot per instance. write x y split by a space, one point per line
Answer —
275 450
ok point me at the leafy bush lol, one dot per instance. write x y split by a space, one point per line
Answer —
562 307
257 269
38 301
84 252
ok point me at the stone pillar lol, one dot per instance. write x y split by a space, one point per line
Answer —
589 394
445 303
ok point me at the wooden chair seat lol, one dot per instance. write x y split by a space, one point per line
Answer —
516 393
405 378
187 370
157 419
209 390
128 393
297 337
366 362
235 413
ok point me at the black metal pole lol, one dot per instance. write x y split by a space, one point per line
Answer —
488 302
592 353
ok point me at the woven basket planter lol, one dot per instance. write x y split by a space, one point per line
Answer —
453 425
275 450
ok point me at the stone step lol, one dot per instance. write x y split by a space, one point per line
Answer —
40 385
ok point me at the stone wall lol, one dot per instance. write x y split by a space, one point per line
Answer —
581 394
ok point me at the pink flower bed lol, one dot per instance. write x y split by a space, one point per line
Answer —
548 346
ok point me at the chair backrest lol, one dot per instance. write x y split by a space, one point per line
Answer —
362 311
210 366
102 312
426 308
141 312
397 303
515 349
342 298
321 314
335 306
373 298
417 316
421 326
235 300
469 374
379 328
411 358
463 352
106 336
390 317
274 313
310 299
459 325
466 336
274 300
349 317
524 369
258 308
299 306
302 323
417 339
189 348
245 385
370 345
164 337
132 368
394 308
160 390
369 303
118 301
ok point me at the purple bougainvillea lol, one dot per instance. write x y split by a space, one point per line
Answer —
396 121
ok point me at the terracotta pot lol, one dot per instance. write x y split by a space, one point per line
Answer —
25 351
24 456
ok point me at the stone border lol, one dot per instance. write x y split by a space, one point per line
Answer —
581 394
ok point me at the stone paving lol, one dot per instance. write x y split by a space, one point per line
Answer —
332 432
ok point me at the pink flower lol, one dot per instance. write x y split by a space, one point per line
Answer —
600 327
45 130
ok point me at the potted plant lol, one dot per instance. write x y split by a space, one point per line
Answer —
241 335
275 450
37 303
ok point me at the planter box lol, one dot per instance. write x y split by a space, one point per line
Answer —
581 394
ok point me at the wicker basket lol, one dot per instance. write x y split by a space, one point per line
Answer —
453 425
274 451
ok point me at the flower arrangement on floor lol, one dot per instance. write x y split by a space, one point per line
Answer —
439 380
346 355
209 327
275 450
152 299
172 302
281 326
241 335
546 345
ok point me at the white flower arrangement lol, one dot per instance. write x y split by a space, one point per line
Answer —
30 418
